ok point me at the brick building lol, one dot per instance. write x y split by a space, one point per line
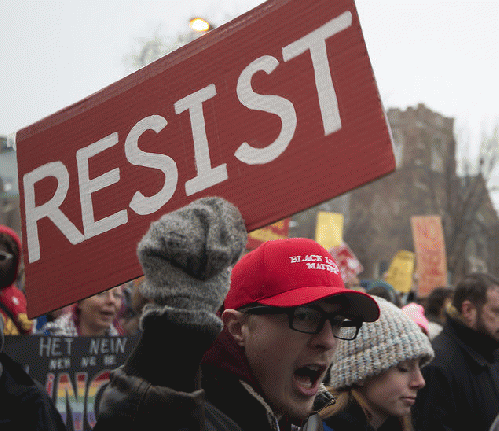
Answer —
377 215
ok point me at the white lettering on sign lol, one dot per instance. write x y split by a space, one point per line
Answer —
49 209
147 205
207 176
107 345
86 362
59 364
53 346
316 43
268 103
88 186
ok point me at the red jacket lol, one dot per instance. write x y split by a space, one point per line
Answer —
12 300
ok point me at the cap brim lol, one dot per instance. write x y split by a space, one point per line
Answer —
358 304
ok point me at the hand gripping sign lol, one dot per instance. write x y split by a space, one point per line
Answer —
275 111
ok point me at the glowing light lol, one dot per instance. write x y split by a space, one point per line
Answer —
200 25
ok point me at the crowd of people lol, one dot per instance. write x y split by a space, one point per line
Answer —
270 339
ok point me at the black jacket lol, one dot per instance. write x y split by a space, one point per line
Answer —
353 418
158 387
133 404
24 404
228 401
462 382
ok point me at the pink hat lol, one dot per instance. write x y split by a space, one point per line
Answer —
416 313
291 272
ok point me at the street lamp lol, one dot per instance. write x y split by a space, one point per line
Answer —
200 25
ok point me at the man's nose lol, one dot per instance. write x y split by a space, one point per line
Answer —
110 297
325 339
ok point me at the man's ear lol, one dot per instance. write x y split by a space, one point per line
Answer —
236 323
469 313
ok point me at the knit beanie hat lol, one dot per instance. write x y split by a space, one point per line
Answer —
187 254
380 345
416 312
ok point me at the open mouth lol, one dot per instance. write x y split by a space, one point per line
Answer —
308 378
107 315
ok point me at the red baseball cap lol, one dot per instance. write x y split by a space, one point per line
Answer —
292 272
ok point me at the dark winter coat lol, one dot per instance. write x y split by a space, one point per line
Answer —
228 400
24 404
131 403
353 418
462 382
158 388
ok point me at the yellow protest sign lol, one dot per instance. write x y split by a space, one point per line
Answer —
400 272
277 230
329 229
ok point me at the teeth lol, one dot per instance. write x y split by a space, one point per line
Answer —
307 384
305 381
308 375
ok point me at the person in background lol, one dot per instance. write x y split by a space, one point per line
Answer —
353 283
376 377
40 321
25 404
435 306
462 382
131 310
382 289
12 300
92 316
281 319
417 314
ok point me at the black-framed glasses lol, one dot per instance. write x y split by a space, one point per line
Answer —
310 319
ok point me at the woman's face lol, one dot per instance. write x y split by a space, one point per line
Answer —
394 392
98 312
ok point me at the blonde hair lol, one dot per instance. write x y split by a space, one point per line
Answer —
346 396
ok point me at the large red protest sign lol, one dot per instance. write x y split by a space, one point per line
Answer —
275 111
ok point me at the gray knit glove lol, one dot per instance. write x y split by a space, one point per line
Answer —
187 255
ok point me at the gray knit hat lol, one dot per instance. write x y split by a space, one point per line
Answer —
187 254
380 345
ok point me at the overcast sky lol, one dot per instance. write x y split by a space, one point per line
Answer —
54 53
